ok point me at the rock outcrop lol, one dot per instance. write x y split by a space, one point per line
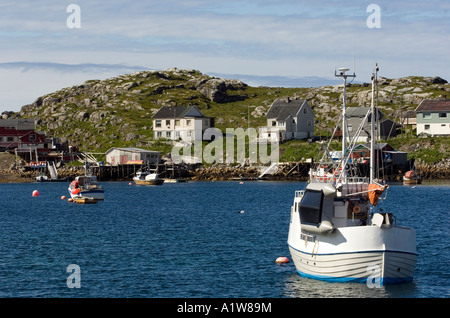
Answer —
98 114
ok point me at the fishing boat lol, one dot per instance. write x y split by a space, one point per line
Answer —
86 186
147 178
411 177
338 232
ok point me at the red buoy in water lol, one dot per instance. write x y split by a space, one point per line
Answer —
35 193
282 259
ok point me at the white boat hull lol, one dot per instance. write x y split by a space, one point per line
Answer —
356 254
98 194
388 267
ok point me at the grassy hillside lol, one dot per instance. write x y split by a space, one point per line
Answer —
97 115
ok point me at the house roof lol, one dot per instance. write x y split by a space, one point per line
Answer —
434 105
283 108
361 112
22 134
132 149
177 112
37 137
378 146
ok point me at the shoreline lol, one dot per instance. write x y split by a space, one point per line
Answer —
215 173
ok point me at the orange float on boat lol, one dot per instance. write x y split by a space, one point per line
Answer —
375 190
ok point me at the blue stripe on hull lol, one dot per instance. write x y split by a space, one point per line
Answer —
361 280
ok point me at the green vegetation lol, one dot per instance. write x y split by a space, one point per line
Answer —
117 112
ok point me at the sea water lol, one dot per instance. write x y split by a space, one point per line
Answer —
191 240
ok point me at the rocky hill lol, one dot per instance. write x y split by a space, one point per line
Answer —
97 115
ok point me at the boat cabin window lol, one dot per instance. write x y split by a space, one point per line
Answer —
311 207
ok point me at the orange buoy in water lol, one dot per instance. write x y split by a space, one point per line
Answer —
282 259
130 183
35 193
63 197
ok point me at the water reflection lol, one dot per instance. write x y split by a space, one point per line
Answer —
301 287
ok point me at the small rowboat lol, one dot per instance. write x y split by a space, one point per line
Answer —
84 200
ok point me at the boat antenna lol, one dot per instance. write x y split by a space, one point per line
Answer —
372 125
354 67
341 73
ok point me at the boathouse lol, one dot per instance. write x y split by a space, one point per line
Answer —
384 153
123 156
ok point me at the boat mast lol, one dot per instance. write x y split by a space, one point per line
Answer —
372 125
344 117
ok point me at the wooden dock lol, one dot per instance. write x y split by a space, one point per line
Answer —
126 172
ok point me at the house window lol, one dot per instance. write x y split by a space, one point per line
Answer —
305 111
168 134
426 115
177 122
168 122
10 138
281 123
309 123
350 128
427 127
206 121
159 134
158 123
274 123
188 122
442 115
33 137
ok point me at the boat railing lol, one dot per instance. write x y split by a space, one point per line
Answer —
323 179
299 193
357 180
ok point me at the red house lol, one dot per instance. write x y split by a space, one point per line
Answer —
20 136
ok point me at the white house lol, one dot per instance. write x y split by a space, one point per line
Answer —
180 122
122 156
433 117
288 119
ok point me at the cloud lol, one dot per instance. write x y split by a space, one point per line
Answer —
258 37
27 81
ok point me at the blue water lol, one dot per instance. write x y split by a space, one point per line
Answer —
187 240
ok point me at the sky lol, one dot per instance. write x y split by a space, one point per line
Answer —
48 45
